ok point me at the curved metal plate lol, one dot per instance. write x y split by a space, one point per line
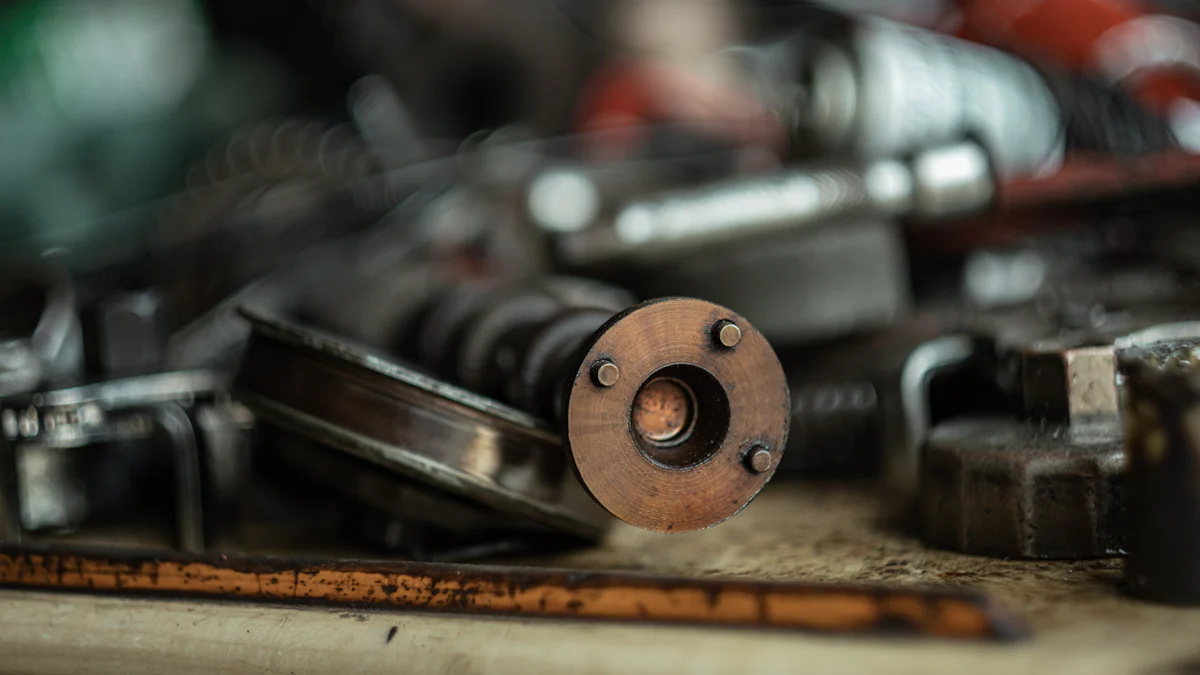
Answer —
355 400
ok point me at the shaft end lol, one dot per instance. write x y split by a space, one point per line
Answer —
664 447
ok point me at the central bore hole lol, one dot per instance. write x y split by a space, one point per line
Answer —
680 416
664 411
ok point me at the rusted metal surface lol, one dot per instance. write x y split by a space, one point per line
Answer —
1007 487
1043 485
1050 483
525 592
680 423
1163 440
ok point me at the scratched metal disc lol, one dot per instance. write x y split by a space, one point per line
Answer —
685 431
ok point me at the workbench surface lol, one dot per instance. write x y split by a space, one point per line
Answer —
1080 620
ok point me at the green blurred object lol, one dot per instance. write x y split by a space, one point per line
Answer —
101 104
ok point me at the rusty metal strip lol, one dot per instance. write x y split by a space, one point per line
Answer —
524 592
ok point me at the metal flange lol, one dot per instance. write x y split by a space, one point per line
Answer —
674 420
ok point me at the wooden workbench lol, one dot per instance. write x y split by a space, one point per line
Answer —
1081 621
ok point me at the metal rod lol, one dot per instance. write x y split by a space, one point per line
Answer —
525 592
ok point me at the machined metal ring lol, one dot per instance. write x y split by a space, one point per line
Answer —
673 438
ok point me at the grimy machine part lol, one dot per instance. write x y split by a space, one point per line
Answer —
674 412
1162 439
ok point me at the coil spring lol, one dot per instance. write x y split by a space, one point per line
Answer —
1101 117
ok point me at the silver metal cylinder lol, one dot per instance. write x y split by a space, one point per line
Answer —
952 180
941 182
891 88
743 207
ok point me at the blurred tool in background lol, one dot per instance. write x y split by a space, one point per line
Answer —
1154 56
880 88
667 66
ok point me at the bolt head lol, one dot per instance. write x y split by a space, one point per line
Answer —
606 373
759 460
728 334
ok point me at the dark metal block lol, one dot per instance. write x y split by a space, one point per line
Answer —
1004 487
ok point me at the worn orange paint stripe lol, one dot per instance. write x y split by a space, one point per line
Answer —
532 592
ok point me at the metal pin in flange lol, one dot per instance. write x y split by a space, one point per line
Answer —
606 373
727 334
759 460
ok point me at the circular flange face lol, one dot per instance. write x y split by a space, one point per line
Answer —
665 446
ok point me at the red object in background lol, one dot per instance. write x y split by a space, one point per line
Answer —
619 94
1157 57
616 101
624 96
